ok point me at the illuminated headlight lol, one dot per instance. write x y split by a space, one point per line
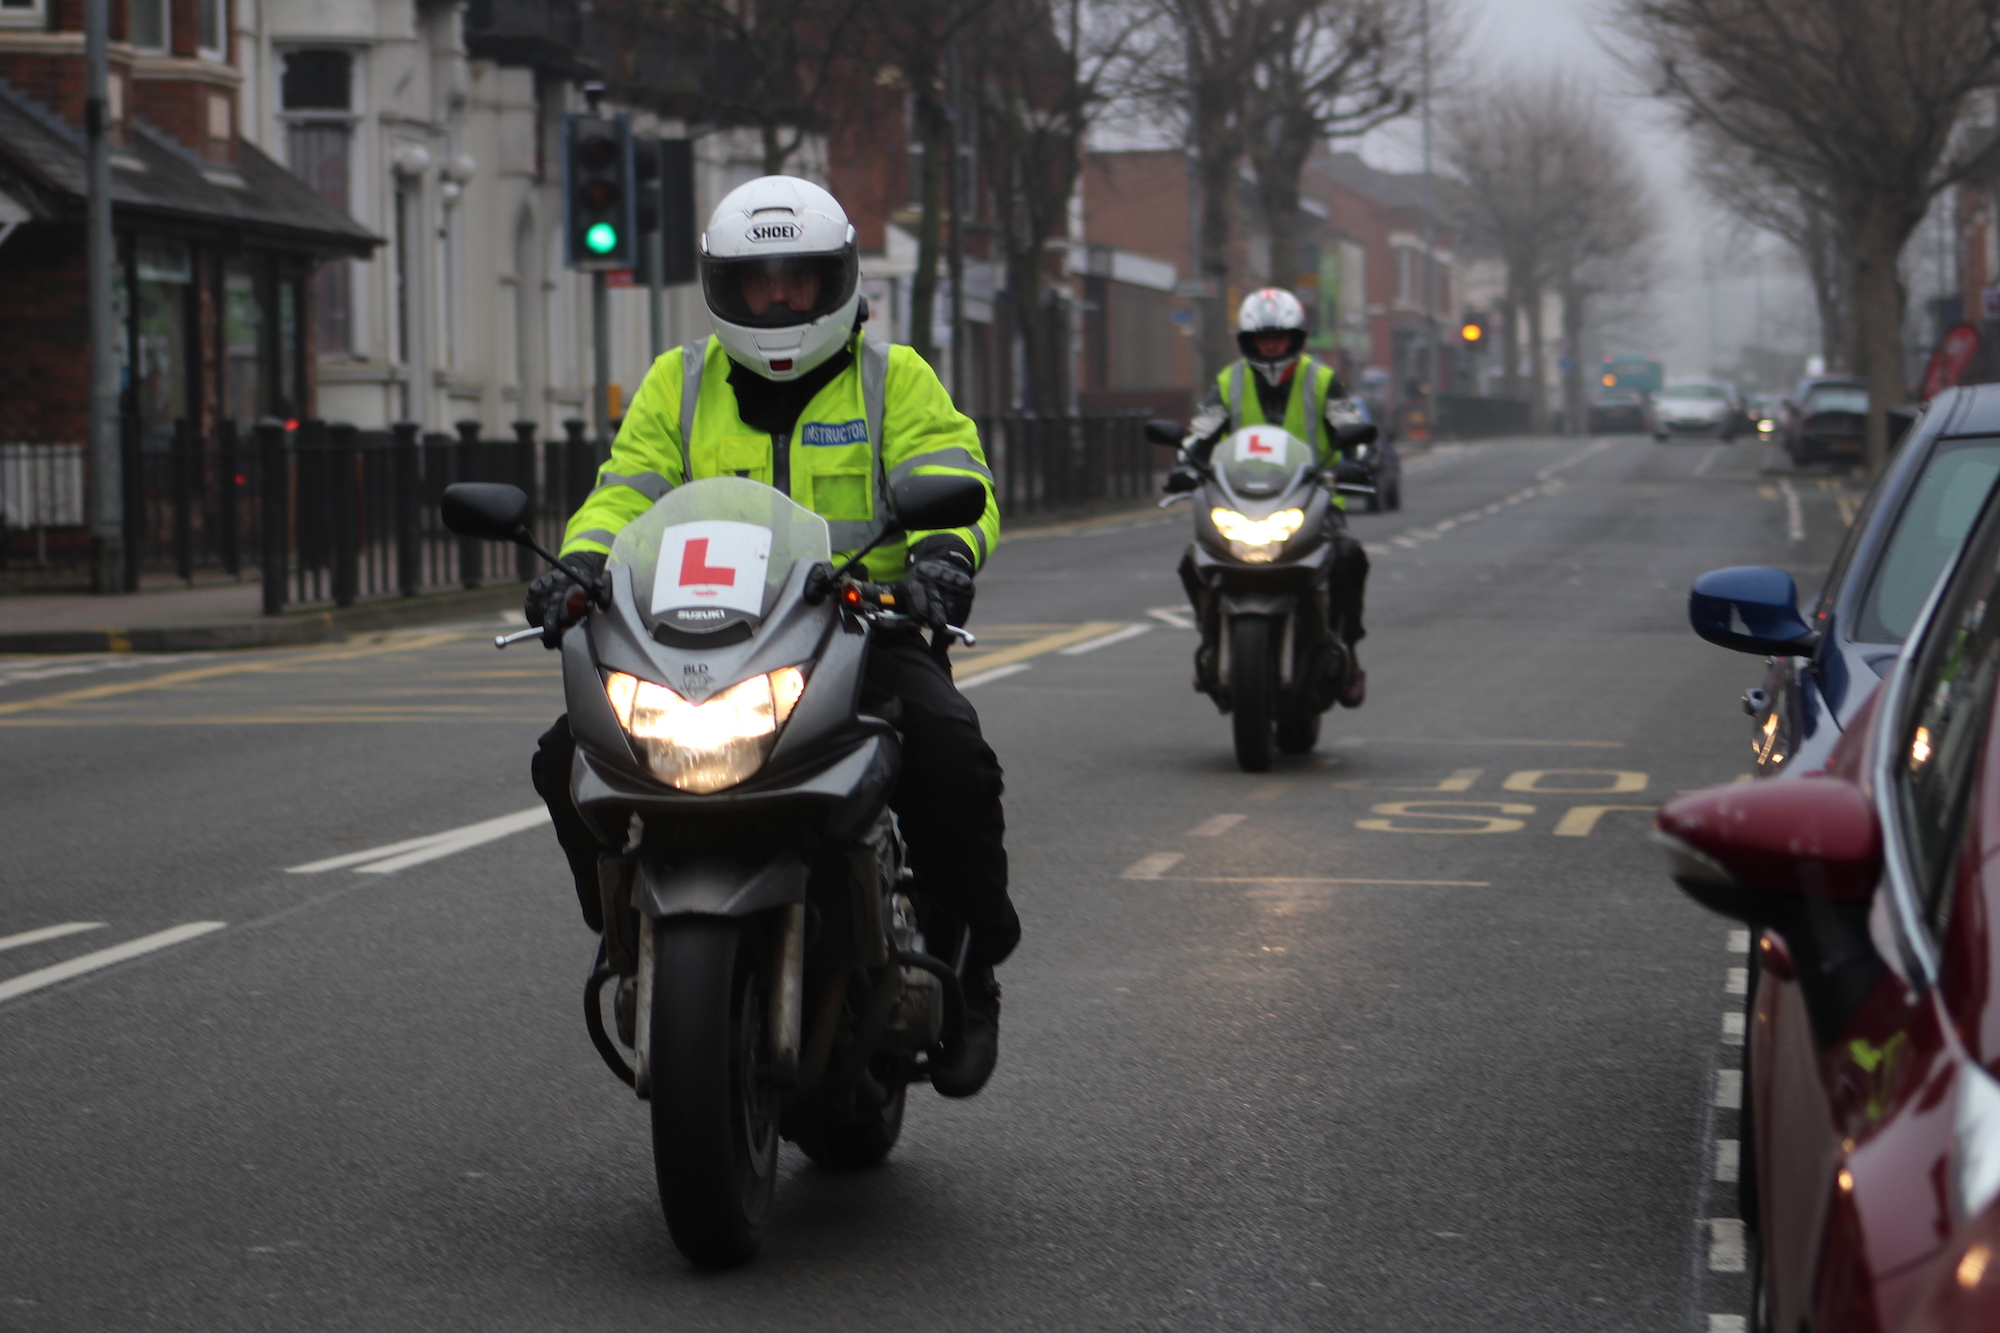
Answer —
1256 539
1767 425
707 746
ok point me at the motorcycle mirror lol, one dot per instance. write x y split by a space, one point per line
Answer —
937 501
492 510
1356 433
1161 431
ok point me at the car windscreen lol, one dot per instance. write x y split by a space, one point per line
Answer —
1935 518
1708 392
1837 400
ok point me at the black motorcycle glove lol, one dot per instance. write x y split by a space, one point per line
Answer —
549 593
939 582
1181 480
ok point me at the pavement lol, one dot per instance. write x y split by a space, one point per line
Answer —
1412 1033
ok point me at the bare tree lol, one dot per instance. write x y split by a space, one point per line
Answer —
1606 253
1859 98
1773 197
1329 67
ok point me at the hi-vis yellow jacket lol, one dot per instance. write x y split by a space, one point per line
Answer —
1305 403
884 418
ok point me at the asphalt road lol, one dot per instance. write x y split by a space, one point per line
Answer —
1410 1034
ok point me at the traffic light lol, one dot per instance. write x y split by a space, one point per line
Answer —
599 200
1473 330
664 170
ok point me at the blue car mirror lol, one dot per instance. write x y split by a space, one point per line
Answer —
1751 608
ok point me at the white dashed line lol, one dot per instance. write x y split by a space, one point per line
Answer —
28 937
1725 1245
1795 514
1172 615
1216 825
1104 641
1738 982
1728 1159
1728 1323
118 953
415 851
1729 1089
988 677
1739 941
1151 866
1732 1029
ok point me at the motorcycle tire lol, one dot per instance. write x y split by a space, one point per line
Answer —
1298 728
1253 683
715 1120
860 1142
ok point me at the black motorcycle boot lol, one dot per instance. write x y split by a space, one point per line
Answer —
1355 692
962 1068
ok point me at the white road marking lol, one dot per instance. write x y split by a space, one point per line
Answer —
1738 981
28 937
80 666
1104 641
1739 941
1416 536
997 673
1708 460
1728 1160
1725 1245
1216 825
118 953
1151 866
1728 1323
1729 1089
1172 615
415 851
1732 1029
1795 514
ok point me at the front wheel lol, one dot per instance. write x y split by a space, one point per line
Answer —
1253 687
715 1119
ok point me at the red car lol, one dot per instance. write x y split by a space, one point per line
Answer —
1871 1137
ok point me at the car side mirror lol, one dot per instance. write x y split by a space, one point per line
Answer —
1165 432
487 509
936 500
1356 433
1752 609
1760 851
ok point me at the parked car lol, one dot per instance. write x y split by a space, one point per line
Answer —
1870 1157
1616 412
1697 407
1906 530
1826 418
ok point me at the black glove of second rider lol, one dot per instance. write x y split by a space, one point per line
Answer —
939 582
548 596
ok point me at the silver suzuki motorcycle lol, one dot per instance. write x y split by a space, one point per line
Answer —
761 958
1272 653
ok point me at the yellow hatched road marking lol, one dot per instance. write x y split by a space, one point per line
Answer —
69 698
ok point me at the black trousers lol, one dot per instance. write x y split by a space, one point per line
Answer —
947 799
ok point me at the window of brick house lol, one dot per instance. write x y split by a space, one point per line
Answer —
147 25
21 13
316 96
210 15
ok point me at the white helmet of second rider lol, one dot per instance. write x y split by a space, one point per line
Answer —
1272 310
781 275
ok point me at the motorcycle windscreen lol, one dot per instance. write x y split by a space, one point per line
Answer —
1262 460
716 553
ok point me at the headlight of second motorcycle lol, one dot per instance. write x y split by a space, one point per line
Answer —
1256 540
707 746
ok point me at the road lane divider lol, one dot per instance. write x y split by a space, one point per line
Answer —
386 860
1173 616
15 987
28 937
988 677
1152 866
1216 825
1105 640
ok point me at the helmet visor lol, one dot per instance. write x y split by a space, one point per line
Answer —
1251 342
779 291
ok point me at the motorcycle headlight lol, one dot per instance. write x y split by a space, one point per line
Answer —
707 746
1256 539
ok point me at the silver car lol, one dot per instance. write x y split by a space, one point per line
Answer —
1698 407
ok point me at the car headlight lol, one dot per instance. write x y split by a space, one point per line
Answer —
707 746
1256 539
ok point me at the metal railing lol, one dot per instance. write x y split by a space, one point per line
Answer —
355 511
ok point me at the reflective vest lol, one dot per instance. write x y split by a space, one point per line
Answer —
1305 403
884 418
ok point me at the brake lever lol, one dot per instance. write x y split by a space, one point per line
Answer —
1176 498
518 636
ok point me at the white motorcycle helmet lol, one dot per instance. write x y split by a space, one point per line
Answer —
1272 310
781 275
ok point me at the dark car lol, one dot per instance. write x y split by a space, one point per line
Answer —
1870 1114
1826 419
1617 412
1906 531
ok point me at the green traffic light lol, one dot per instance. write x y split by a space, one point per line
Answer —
601 238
